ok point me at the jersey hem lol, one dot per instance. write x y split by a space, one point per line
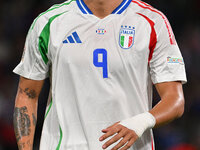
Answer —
180 78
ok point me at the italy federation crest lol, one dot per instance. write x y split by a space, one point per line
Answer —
126 37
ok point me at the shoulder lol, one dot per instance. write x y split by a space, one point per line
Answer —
51 13
147 10
156 18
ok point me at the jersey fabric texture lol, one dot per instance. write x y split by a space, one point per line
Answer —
101 70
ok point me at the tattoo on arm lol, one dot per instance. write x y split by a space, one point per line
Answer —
24 145
21 122
21 146
30 93
34 119
20 90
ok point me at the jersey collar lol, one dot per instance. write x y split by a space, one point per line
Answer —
85 10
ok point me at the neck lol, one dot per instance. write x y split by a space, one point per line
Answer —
102 8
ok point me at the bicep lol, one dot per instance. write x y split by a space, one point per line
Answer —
167 89
172 102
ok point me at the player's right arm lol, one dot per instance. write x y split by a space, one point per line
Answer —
25 112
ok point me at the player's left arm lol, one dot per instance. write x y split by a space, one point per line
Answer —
169 108
172 102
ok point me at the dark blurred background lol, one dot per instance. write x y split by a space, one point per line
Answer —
16 17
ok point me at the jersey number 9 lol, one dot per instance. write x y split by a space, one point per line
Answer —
100 59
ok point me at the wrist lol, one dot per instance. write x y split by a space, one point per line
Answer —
140 123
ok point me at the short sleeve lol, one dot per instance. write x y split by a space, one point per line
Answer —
32 65
167 63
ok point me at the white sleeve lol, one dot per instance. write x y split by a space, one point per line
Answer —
34 63
167 63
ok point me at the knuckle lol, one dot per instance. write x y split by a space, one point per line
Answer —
123 142
109 133
116 128
124 131
112 140
131 135
107 143
120 126
127 137
119 136
113 130
104 137
116 147
125 128
128 132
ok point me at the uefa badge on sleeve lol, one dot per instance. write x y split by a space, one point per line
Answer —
126 37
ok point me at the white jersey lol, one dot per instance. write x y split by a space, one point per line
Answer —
101 70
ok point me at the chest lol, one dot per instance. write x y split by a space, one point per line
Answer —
111 43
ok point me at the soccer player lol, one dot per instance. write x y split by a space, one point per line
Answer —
102 57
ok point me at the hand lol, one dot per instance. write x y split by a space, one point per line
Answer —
128 137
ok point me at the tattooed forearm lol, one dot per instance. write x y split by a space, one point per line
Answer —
21 122
21 146
20 90
34 119
24 145
30 93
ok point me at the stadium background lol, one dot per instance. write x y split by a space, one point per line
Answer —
184 16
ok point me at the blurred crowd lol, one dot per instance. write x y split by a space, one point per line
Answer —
184 16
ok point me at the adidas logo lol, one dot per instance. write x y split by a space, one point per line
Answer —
74 38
